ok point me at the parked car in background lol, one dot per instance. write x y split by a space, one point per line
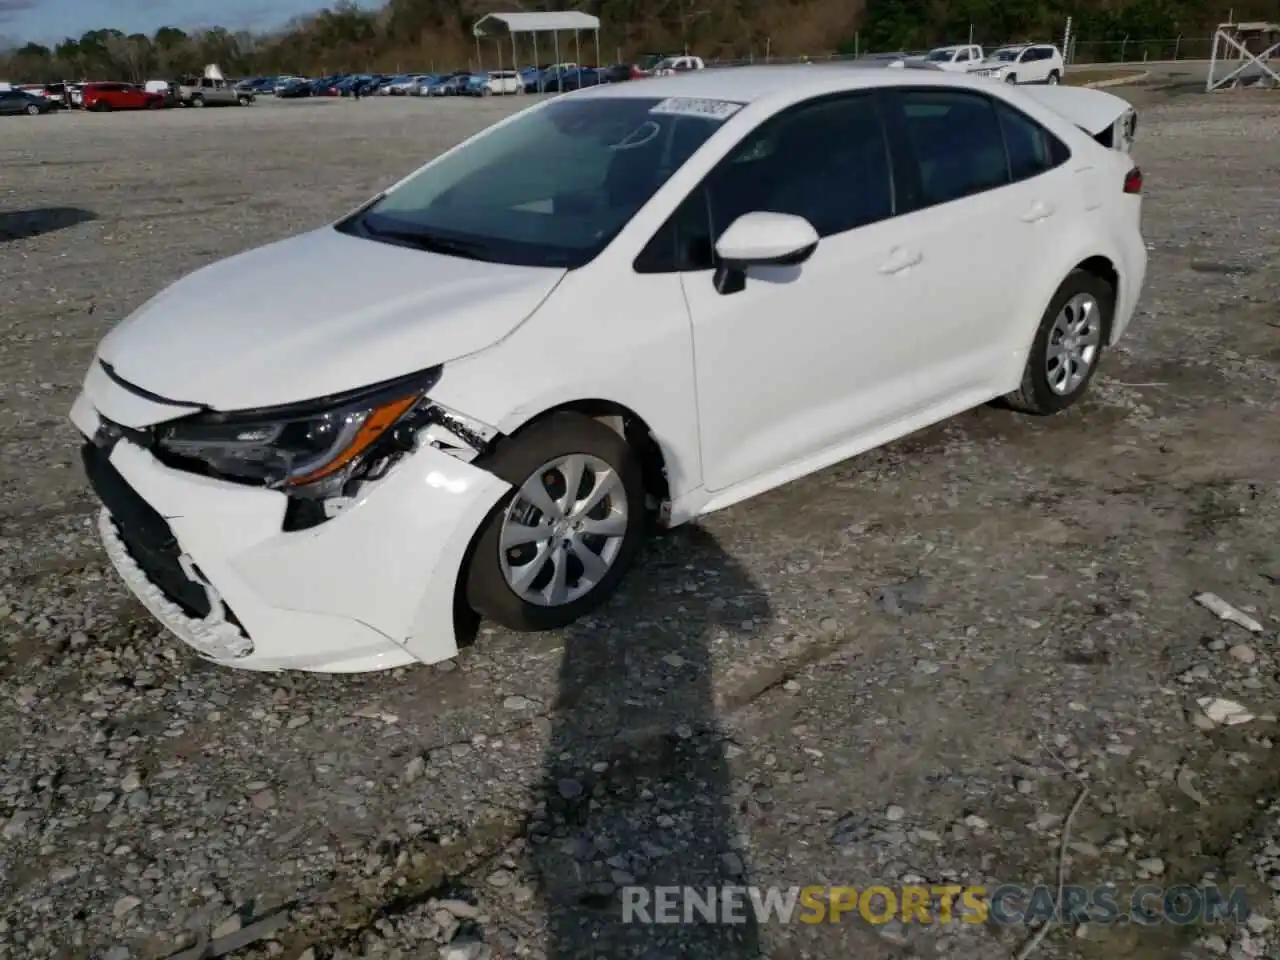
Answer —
16 102
397 86
454 85
502 82
103 97
284 82
1027 63
547 78
674 65
620 73
577 78
55 93
957 59
326 86
420 84
888 58
304 467
294 90
212 92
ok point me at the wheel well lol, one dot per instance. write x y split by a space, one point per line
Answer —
631 426
1104 270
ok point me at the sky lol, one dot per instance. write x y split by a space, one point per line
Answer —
48 21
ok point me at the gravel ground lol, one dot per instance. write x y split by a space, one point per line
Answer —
901 669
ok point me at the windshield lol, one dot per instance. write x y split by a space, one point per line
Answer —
941 56
550 188
1008 55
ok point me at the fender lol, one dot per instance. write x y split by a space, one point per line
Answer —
1076 249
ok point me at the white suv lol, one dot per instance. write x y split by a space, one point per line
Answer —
958 59
625 306
1032 63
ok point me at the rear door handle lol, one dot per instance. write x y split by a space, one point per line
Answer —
901 259
1039 211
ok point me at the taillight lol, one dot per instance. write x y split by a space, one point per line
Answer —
1133 181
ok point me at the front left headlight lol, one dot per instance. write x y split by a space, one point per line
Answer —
308 449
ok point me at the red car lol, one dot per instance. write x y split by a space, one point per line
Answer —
118 96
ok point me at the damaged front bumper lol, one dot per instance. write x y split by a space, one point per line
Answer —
369 589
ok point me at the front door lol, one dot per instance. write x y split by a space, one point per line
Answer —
790 366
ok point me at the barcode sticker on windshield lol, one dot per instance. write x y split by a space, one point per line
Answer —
694 107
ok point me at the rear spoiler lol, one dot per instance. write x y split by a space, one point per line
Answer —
1111 120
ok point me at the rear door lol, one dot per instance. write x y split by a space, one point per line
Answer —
982 194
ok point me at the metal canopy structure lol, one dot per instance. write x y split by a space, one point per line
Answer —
1230 46
499 26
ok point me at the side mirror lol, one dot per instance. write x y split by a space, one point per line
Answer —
761 239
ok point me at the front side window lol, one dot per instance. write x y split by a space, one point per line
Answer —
826 161
956 141
552 187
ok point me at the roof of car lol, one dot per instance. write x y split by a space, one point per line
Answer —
749 84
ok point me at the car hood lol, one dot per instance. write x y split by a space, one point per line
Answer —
314 315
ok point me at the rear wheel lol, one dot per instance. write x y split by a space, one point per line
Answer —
1068 346
558 545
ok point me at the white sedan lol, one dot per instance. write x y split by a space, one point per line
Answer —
633 303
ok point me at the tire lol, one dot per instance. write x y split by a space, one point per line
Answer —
33 110
245 101
527 456
1037 393
1010 78
197 101
1054 78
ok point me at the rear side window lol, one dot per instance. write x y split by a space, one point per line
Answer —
1032 149
956 142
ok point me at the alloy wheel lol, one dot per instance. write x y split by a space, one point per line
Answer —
1073 345
563 530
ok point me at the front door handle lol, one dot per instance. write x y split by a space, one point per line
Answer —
1039 211
900 259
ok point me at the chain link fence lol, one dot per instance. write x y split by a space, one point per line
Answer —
1139 51
1080 52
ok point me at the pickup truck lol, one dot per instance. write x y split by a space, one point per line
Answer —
207 92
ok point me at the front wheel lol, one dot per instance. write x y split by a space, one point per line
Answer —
33 110
245 101
1010 78
558 545
1054 79
197 101
1068 346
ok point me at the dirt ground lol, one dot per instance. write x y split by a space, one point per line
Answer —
900 670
